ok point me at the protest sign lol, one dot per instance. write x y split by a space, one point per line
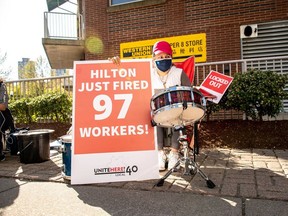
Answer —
216 84
113 139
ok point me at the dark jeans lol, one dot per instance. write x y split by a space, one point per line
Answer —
6 123
1 143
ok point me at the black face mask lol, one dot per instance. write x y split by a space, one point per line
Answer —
163 64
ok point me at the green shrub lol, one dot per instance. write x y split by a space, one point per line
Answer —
54 106
20 110
257 93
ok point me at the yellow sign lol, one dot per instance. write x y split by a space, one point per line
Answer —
183 47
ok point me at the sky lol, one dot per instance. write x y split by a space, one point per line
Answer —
21 31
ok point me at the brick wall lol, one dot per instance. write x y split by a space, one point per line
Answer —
219 19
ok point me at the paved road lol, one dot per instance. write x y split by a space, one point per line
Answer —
248 182
50 198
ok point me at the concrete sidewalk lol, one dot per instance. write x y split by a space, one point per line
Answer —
248 182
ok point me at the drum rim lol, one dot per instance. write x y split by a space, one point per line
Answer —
175 88
180 87
178 105
66 138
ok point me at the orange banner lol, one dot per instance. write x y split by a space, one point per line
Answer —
111 111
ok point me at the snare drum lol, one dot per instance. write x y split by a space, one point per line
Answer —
177 105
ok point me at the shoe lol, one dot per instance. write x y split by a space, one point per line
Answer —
173 159
2 157
161 160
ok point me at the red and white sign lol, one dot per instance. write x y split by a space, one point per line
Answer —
216 84
113 139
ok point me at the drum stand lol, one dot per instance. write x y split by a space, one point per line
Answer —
190 165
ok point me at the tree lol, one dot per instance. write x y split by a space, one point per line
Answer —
4 70
43 67
28 71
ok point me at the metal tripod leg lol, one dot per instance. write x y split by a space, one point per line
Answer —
195 168
190 166
161 181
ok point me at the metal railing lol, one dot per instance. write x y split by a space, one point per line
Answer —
63 26
33 87
277 64
27 87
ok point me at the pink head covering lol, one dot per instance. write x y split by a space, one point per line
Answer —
162 46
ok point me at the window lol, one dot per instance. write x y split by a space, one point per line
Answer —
119 2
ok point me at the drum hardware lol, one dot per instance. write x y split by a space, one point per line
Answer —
184 104
189 164
196 143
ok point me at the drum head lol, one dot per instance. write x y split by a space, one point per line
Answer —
192 114
168 115
180 116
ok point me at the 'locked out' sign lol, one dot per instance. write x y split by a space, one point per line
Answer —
216 84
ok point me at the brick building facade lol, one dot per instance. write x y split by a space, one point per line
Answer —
220 20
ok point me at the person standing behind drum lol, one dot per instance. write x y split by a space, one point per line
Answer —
164 75
3 106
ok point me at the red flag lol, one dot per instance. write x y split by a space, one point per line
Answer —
188 66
